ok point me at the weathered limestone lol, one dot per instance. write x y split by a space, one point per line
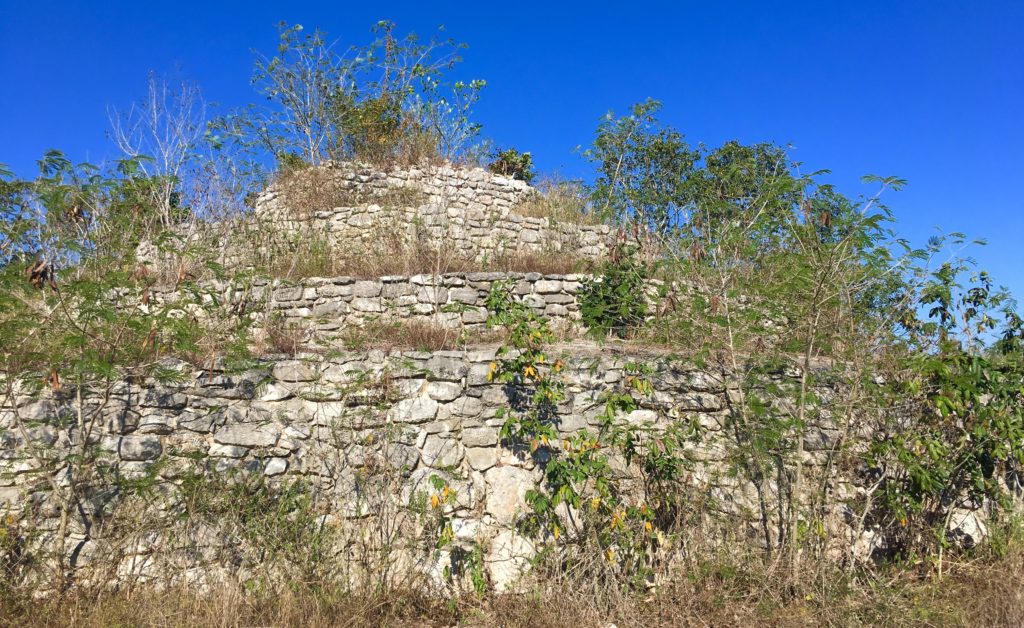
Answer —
326 307
416 415
471 211
371 434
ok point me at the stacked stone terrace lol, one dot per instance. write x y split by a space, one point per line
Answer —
335 423
334 419
467 211
324 307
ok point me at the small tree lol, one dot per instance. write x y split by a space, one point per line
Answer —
380 103
512 163
77 321
641 169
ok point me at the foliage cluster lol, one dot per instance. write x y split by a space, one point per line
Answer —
833 329
614 303
387 102
583 500
512 163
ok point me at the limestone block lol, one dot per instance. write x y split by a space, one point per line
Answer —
248 435
202 423
475 317
367 289
289 293
508 560
480 436
700 401
155 424
481 458
294 371
160 397
367 305
469 296
436 295
547 286
275 466
443 391
441 452
466 407
227 451
446 368
506 492
559 298
142 447
413 411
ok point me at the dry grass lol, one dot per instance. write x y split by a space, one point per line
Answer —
561 201
315 255
309 190
417 335
226 606
712 593
284 338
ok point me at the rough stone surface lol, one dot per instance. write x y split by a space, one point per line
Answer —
371 432
507 495
247 435
471 210
414 410
509 560
140 448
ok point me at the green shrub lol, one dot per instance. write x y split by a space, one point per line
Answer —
512 163
614 303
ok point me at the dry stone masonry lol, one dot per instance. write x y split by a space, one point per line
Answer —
470 212
336 423
371 434
324 306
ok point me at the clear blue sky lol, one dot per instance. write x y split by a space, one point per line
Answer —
929 91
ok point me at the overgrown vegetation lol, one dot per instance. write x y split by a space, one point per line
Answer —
875 398
560 201
312 252
512 163
385 103
615 302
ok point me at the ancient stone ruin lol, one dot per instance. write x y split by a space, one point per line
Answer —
375 436
468 211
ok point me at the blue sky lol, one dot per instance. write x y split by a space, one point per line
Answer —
932 92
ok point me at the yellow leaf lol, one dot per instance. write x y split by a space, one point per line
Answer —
434 501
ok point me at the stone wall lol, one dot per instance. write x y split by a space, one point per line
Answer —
333 422
470 212
455 300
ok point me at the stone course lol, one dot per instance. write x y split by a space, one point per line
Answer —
330 420
336 420
469 212
323 307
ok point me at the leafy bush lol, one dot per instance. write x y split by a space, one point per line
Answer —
386 102
615 302
512 163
